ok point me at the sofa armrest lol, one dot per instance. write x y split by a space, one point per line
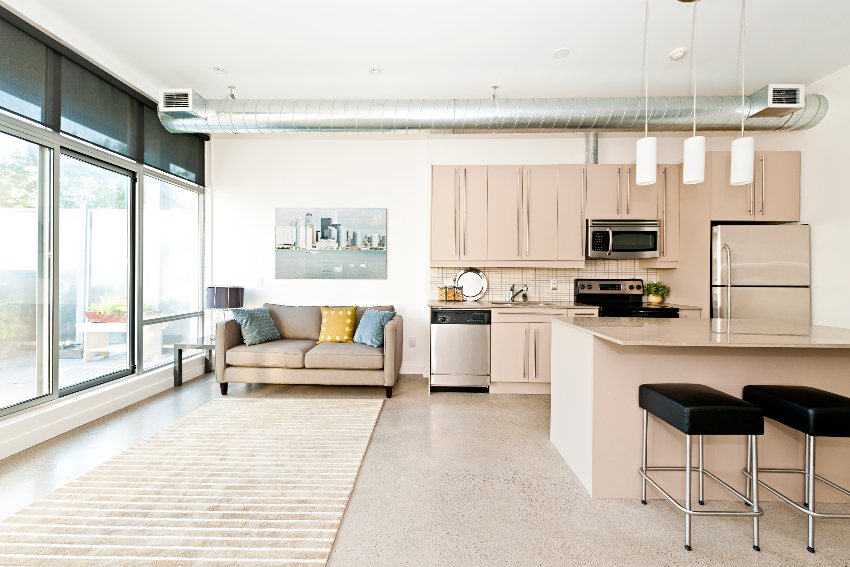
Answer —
228 334
393 348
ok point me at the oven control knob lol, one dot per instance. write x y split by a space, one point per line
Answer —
589 286
631 287
638 286
581 286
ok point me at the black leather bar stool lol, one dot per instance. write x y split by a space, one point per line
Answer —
698 410
817 413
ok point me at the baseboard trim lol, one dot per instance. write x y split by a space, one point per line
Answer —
541 388
40 423
412 369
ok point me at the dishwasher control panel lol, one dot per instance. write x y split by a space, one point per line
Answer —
460 317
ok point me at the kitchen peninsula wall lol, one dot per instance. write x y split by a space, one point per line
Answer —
499 280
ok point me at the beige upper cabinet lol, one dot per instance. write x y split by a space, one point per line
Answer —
669 186
540 213
774 194
604 191
777 186
504 212
473 212
613 194
445 190
458 212
571 230
639 201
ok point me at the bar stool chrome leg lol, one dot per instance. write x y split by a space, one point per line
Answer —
644 461
688 492
701 473
807 473
810 490
753 442
748 487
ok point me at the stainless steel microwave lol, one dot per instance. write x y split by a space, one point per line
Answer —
622 239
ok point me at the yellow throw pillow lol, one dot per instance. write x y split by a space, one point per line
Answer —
337 325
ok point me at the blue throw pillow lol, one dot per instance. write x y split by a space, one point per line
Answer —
370 331
257 325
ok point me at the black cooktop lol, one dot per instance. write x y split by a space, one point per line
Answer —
620 298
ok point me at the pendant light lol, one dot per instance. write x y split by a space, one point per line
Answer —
646 157
743 149
693 164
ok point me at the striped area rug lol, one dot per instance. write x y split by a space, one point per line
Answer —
236 482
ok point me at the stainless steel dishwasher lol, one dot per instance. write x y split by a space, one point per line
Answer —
460 348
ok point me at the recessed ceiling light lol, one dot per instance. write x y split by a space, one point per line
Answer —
561 52
678 53
218 69
375 70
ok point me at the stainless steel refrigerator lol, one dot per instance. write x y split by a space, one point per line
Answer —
761 272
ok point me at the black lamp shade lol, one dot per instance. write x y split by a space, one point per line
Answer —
225 297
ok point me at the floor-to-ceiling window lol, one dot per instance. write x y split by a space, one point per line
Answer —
94 291
171 260
24 172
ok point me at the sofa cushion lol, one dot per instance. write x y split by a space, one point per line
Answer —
337 325
284 353
351 356
256 324
361 310
296 321
370 329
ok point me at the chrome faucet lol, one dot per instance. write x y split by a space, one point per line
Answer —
513 293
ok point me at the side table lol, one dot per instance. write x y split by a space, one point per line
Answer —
202 343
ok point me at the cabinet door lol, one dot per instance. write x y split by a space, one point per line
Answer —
540 335
509 355
540 213
777 186
571 229
504 212
444 212
668 212
604 191
639 201
728 202
690 313
473 212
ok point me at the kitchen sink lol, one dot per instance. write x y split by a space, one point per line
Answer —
523 304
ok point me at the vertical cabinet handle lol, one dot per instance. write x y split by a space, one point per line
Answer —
465 211
519 212
619 183
662 225
729 278
629 191
525 356
527 214
751 201
534 375
455 246
582 229
763 158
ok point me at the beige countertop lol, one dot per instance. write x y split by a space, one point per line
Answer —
487 305
709 332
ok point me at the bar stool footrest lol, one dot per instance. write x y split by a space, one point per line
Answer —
804 510
709 474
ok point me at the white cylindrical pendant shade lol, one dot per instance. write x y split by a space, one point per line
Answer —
693 165
743 160
646 161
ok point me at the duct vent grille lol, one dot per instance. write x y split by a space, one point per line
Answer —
175 100
784 95
181 103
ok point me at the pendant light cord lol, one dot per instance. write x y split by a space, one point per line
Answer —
741 52
694 64
646 71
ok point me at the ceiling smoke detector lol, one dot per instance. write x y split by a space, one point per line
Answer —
561 52
375 70
678 54
218 69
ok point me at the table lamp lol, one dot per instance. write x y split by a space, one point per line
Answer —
220 299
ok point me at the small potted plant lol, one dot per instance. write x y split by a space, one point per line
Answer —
109 310
656 292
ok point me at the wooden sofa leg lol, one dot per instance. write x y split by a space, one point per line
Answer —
389 391
223 386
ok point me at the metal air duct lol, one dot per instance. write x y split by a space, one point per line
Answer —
476 116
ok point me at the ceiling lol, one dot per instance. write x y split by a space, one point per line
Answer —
443 48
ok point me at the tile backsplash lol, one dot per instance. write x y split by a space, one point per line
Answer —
499 280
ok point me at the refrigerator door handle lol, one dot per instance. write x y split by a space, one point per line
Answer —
728 252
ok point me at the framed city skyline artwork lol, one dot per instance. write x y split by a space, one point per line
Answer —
331 243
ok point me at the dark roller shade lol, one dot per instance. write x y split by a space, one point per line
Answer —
178 154
23 72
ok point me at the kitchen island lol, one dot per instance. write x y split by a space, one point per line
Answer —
598 364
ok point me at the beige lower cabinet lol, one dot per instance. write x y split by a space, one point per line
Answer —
690 313
521 343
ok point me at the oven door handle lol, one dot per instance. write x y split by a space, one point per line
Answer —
610 241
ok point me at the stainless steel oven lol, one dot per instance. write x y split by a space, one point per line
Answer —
622 239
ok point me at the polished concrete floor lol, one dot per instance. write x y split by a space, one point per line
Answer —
455 479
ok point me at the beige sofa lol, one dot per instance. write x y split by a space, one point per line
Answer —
298 359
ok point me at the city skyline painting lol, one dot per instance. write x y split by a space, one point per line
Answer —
330 243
